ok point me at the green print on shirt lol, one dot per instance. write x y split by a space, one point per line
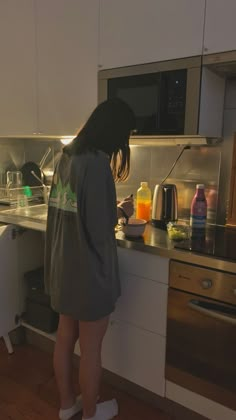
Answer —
63 198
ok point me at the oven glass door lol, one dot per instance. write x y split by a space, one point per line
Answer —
201 346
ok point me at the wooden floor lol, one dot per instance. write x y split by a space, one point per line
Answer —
28 389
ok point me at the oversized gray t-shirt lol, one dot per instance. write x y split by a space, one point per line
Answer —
81 267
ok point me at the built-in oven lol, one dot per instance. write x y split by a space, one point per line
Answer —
164 96
201 332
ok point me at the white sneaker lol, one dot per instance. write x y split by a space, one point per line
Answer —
68 413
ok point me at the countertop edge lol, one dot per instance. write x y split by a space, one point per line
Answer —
183 256
137 245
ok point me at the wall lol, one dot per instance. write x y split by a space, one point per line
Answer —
196 165
229 128
15 152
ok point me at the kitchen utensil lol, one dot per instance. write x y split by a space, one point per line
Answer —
45 189
164 206
14 179
134 228
43 160
29 167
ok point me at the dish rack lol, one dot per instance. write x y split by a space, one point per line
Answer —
11 196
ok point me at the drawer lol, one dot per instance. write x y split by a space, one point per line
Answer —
203 281
144 265
136 355
143 303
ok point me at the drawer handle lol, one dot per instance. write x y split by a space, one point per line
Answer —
206 283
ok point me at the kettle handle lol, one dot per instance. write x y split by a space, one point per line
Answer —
167 201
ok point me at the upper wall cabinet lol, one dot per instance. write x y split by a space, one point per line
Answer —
220 32
144 31
67 47
18 68
49 61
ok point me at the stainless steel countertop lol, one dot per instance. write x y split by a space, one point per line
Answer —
155 241
32 217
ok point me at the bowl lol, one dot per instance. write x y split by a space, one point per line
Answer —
135 228
178 231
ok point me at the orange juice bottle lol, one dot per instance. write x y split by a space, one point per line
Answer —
143 203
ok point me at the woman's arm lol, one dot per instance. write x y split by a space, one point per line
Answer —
125 208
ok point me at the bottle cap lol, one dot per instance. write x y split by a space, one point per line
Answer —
27 191
200 186
144 184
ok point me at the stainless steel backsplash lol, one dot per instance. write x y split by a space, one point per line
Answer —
196 165
15 152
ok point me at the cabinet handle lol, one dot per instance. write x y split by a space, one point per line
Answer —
206 283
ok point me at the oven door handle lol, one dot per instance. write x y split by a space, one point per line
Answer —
214 310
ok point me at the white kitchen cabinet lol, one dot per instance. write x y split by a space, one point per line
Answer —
136 355
220 32
18 68
143 264
134 346
9 285
20 252
67 48
144 31
49 59
143 303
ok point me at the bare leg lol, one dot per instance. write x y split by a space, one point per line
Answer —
67 335
91 337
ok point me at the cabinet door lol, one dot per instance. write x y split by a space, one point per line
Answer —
18 68
136 355
135 32
67 42
143 303
220 33
9 285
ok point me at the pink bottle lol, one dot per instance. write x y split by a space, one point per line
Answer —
198 212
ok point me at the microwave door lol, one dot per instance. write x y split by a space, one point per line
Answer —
172 102
142 93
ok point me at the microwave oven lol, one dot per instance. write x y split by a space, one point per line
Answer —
164 96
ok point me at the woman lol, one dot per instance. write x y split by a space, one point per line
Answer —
81 268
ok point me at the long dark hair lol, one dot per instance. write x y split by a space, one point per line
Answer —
107 129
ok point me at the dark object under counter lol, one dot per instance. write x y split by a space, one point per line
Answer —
38 312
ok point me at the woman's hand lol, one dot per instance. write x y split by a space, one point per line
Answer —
127 205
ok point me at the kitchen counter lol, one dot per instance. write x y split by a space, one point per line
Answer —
32 217
155 241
